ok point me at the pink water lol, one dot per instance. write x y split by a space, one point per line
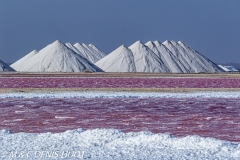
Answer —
208 117
119 82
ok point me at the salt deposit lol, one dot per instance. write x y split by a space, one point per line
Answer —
123 63
21 63
145 60
89 52
57 57
200 62
166 57
171 61
112 94
112 144
5 67
101 53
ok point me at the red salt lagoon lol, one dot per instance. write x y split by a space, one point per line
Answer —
119 82
207 117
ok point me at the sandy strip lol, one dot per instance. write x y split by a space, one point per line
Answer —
104 75
170 90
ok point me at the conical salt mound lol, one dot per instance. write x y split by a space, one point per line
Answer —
89 52
146 60
101 53
57 57
120 60
69 45
166 56
200 63
183 62
21 63
5 68
189 60
95 51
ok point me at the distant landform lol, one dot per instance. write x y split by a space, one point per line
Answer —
235 65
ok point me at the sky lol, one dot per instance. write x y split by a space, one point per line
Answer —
212 27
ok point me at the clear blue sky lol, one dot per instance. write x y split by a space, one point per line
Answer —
212 27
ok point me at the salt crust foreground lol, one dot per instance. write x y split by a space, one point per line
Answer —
107 144
113 144
109 94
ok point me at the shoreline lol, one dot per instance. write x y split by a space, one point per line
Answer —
159 90
117 75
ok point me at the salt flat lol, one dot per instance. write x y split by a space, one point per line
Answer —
114 94
107 143
102 144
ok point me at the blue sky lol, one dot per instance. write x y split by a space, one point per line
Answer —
212 27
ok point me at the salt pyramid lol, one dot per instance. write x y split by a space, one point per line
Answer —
200 62
21 63
57 57
184 63
69 45
120 60
136 58
146 60
101 53
166 57
171 61
89 52
5 68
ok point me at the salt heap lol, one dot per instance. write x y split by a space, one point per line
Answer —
4 67
56 57
21 63
170 60
90 52
166 57
120 60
